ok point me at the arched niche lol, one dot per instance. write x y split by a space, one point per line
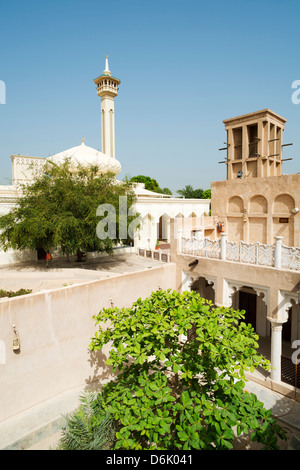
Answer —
258 204
283 204
235 204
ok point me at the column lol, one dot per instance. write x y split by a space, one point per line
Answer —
230 154
269 136
107 108
276 348
245 149
259 148
223 245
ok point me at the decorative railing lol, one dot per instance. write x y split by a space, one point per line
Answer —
205 248
253 253
277 255
290 257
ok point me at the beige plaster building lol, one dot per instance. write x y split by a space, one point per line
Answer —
251 259
257 202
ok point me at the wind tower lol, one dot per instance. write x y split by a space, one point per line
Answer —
107 89
254 145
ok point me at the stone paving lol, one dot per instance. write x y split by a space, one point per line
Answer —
62 272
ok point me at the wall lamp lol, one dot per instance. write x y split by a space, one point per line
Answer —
16 340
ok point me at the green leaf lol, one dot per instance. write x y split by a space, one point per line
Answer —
183 436
218 428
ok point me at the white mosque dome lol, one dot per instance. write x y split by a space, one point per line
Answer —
87 156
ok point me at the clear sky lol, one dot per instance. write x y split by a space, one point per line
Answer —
184 66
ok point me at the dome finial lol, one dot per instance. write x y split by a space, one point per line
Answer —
106 71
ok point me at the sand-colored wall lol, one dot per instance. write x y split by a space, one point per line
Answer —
55 328
251 208
270 279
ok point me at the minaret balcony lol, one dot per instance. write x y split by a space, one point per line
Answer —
107 89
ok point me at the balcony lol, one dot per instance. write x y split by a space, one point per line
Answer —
278 255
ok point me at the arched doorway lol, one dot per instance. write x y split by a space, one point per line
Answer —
247 302
204 288
254 303
164 228
287 327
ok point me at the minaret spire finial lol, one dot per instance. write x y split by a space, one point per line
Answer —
106 71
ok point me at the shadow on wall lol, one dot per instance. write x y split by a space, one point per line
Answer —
101 371
9 257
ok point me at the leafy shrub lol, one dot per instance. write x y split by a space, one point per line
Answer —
177 390
6 293
90 427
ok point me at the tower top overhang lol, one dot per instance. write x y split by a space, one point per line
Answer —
107 85
104 76
262 115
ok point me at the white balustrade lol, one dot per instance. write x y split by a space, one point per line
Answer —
277 255
204 248
290 257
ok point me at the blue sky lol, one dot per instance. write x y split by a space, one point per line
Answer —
184 67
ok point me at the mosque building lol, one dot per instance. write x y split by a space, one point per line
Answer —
155 209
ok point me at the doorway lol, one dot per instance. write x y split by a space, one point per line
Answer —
247 302
287 328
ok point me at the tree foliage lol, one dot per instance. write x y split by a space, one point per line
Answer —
89 427
178 391
9 293
151 184
190 193
59 209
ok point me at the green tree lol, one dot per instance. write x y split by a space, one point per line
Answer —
59 209
164 191
190 193
187 192
206 194
179 391
197 194
151 184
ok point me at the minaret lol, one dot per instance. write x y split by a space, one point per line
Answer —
107 89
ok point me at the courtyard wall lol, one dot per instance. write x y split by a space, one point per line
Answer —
55 328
